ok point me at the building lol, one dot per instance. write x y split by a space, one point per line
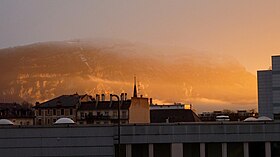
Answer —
139 111
134 110
269 90
63 106
215 139
16 113
238 115
172 114
103 112
84 109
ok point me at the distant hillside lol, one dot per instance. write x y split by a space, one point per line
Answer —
42 71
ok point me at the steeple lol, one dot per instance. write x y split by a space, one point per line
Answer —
135 89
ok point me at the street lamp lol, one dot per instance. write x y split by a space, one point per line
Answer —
119 123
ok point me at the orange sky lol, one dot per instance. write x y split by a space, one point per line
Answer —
247 30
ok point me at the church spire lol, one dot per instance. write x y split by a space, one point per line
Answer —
135 89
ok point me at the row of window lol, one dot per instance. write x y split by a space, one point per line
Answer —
103 122
49 121
58 112
105 113
22 122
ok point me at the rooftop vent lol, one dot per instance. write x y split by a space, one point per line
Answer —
64 121
6 122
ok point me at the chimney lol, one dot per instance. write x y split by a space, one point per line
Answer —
151 101
102 97
111 100
122 96
125 96
37 103
91 98
97 98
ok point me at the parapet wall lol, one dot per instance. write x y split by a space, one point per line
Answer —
99 140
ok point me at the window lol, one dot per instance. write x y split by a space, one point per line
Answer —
106 113
71 111
58 112
82 114
49 111
115 114
40 112
39 122
54 111
48 121
123 122
276 116
124 115
62 111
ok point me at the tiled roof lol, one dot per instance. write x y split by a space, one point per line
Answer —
104 105
61 101
9 105
174 115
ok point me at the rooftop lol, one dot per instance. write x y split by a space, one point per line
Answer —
174 115
61 101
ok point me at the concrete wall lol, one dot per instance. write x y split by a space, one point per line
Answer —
201 132
139 111
99 140
57 141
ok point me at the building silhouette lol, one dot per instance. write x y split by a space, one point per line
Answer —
16 113
172 114
269 90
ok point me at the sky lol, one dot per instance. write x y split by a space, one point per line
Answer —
247 30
